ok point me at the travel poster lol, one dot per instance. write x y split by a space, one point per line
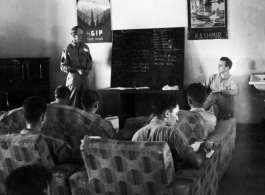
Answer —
207 19
94 17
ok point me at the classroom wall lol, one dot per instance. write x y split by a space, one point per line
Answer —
41 28
245 45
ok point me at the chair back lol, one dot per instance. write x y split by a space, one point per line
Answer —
125 167
20 150
62 122
192 124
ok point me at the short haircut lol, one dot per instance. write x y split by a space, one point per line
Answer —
197 92
28 180
89 98
163 102
61 92
33 108
228 62
74 30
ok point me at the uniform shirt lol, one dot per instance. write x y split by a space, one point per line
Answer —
76 56
61 151
216 82
158 131
208 116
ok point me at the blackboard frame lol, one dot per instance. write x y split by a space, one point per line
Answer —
148 57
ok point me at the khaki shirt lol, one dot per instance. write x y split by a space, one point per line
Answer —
76 56
216 82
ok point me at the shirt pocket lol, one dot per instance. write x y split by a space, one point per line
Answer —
73 55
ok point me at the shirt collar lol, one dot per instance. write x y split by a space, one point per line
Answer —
198 109
226 77
29 131
156 120
76 44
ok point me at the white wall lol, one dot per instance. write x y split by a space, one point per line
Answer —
245 45
40 28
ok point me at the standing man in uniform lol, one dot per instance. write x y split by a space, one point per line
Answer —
76 61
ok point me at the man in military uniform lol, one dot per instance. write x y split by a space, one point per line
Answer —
76 61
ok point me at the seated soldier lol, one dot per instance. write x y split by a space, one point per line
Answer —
161 128
90 100
196 94
34 109
29 180
62 95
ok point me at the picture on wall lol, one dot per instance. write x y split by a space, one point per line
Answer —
94 17
207 19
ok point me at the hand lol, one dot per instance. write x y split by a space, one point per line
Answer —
80 71
85 72
207 145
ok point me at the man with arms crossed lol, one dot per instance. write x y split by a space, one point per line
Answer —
161 128
222 86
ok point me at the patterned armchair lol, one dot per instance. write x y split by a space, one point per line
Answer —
63 122
192 125
124 167
19 150
224 137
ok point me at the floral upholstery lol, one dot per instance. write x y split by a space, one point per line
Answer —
192 125
79 182
224 137
61 173
63 122
197 181
19 150
124 167
120 167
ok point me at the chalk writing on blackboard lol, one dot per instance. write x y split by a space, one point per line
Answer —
148 57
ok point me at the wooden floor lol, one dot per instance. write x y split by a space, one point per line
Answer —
246 173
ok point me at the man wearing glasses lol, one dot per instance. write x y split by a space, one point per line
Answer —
76 61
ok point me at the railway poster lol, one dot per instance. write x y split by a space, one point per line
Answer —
207 19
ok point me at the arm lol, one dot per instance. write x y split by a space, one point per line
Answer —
231 92
196 159
62 152
65 63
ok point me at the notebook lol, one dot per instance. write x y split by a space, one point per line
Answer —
114 121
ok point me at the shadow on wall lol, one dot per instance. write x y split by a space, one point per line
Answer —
248 105
193 69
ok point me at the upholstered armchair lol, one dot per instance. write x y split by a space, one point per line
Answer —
20 150
125 167
63 122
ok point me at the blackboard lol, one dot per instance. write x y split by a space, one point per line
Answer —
148 57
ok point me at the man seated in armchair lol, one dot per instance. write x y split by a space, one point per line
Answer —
161 128
196 95
90 100
34 109
62 95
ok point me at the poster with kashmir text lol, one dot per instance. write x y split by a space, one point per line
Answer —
207 19
94 17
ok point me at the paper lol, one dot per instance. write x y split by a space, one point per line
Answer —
114 121
166 87
126 88
196 147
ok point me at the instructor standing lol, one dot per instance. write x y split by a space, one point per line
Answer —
76 61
